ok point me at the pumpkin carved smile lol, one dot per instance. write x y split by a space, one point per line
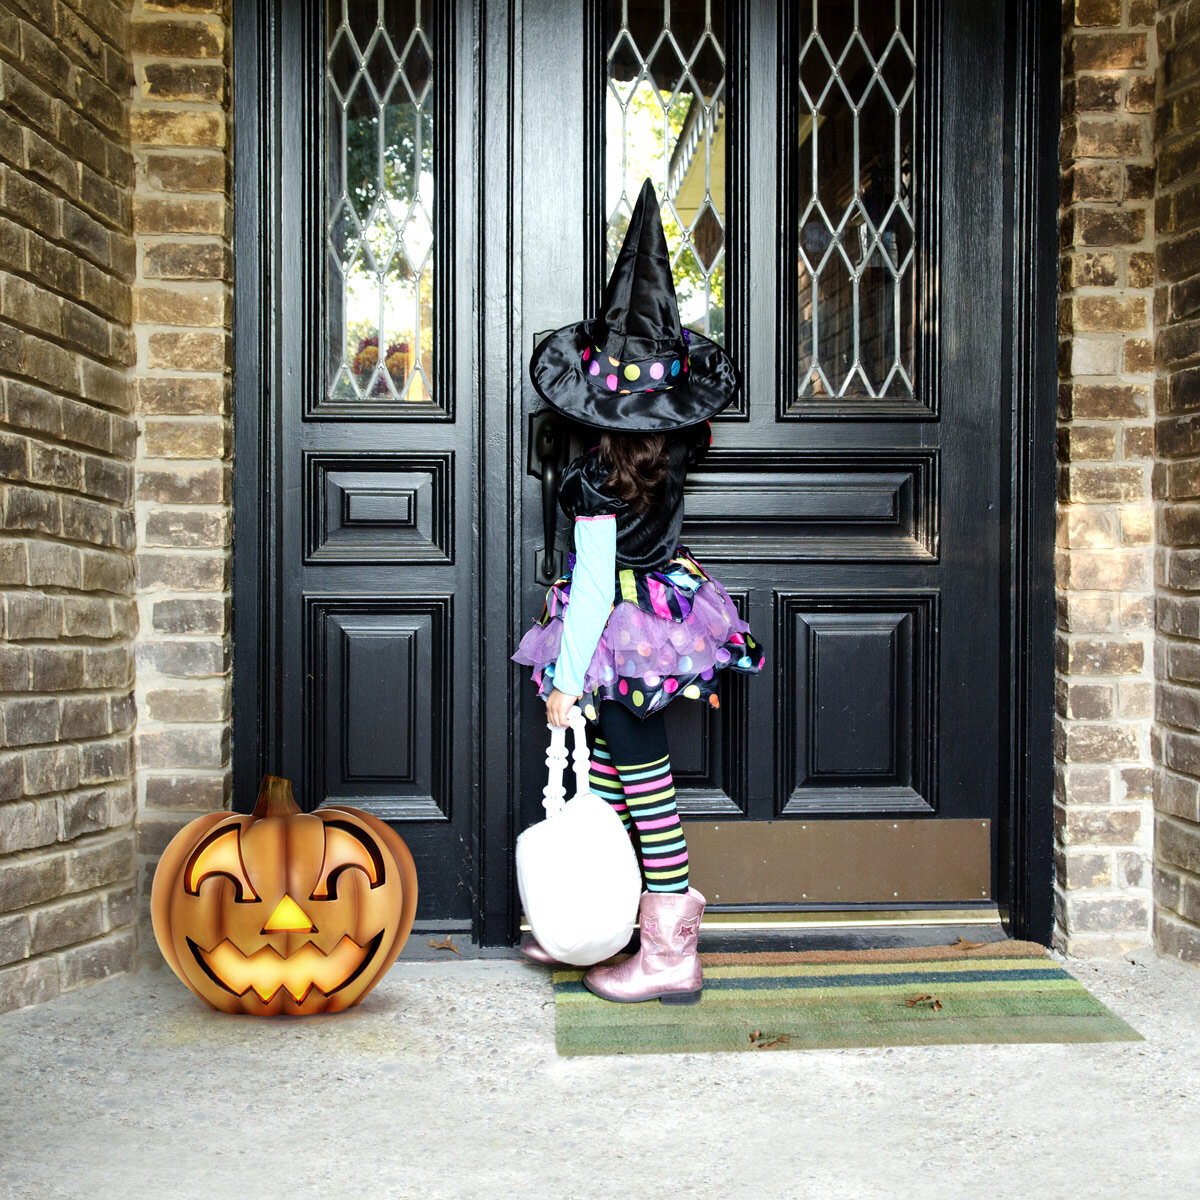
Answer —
281 911
266 970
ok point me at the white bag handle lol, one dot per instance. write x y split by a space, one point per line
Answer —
554 794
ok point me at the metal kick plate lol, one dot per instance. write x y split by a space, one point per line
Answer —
835 862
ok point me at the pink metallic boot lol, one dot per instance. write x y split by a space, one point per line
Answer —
533 949
666 966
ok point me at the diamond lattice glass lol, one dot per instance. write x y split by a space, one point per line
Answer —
854 198
664 119
379 200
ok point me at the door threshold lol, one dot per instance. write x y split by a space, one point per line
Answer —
981 917
729 922
732 922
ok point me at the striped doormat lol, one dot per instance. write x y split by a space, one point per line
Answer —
1005 991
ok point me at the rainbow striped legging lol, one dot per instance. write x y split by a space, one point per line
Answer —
631 769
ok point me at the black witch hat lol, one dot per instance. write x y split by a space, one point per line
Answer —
634 367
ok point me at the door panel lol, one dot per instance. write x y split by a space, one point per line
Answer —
749 505
856 730
380 738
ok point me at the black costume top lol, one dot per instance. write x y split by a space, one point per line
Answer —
646 541
671 627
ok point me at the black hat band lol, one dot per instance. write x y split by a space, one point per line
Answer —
658 374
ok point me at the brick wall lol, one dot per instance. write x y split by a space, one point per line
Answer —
182 303
1177 483
67 900
1104 660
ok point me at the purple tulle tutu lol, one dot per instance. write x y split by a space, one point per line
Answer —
644 660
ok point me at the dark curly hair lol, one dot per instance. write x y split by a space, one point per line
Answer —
638 465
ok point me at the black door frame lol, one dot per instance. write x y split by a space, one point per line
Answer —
1033 62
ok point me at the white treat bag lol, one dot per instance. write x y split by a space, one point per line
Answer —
577 871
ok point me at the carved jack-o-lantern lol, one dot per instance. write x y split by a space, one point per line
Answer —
281 911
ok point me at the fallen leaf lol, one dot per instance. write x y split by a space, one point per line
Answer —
926 998
961 943
757 1042
446 945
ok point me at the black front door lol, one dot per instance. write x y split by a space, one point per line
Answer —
831 179
838 190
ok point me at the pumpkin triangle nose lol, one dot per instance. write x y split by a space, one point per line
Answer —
288 915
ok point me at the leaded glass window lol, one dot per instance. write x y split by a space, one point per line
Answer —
379 201
853 199
665 120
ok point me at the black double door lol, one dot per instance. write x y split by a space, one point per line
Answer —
442 184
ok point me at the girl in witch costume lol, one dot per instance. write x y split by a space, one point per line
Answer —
637 623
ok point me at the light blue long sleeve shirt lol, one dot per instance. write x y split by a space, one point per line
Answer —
592 583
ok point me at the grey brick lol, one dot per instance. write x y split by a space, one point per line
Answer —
12 776
51 769
184 792
203 746
83 717
185 658
30 615
14 668
52 564
29 824
14 938
67 922
26 881
103 762
87 616
85 811
96 863
205 614
55 668
32 982
112 954
108 666
120 906
30 721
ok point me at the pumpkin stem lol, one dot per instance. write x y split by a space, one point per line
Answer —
275 798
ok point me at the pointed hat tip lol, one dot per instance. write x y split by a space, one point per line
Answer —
647 194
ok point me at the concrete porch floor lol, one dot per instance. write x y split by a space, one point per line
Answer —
444 1083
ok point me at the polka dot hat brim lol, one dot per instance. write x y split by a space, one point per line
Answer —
649 395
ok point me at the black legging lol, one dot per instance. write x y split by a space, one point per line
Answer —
631 769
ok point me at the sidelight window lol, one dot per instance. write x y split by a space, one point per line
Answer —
851 197
665 119
379 200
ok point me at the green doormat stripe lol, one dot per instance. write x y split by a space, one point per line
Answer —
999 992
767 1016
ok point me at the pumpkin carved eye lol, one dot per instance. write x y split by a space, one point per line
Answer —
220 854
346 846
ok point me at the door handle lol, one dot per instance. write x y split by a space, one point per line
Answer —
547 451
